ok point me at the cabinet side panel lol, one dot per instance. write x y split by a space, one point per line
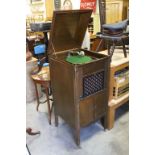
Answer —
62 79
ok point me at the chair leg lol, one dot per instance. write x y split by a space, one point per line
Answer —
124 48
108 47
112 49
48 106
37 96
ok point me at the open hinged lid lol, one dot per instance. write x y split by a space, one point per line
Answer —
68 29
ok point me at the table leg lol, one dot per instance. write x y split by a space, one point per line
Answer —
37 95
111 117
48 106
112 49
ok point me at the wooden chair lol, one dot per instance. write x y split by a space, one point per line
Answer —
41 76
112 34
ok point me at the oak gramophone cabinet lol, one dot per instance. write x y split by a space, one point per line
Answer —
80 91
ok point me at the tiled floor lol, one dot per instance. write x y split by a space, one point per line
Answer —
59 140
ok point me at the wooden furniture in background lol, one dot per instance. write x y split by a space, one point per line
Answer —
42 78
114 11
113 105
118 63
43 10
49 5
30 88
111 34
125 13
95 42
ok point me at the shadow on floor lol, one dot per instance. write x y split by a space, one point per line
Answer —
122 110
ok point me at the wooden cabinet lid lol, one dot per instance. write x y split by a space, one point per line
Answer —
68 29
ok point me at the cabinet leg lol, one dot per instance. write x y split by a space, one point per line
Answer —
111 117
103 121
56 120
56 117
77 136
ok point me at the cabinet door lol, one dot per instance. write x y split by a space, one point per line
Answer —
100 105
114 11
86 111
92 108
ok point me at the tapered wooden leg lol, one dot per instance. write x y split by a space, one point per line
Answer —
56 116
111 117
52 106
56 120
124 48
108 46
104 121
77 136
48 106
37 96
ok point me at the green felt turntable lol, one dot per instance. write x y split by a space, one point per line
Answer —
78 58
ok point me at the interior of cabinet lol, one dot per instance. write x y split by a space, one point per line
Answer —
61 56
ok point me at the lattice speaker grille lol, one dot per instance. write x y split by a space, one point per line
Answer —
93 83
